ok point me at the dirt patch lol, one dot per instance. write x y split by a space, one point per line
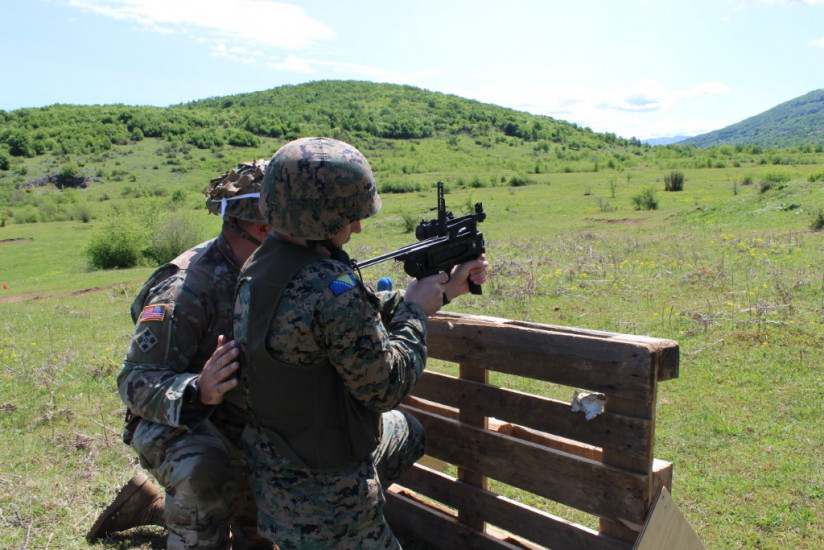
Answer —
17 240
33 297
627 221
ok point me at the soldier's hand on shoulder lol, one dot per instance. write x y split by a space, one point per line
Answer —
217 376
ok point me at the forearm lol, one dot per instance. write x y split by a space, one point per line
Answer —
157 394
389 372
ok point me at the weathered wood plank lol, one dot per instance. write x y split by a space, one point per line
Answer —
629 435
572 480
614 365
474 417
645 409
524 521
514 430
423 523
666 350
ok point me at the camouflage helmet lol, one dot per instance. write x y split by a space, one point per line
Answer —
315 186
236 193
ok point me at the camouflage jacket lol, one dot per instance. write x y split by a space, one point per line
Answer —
375 342
179 313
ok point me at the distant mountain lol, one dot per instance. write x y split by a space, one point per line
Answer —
664 140
797 122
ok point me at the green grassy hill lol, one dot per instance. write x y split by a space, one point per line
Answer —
798 122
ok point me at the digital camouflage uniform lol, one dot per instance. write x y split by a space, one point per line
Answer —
192 449
377 348
322 319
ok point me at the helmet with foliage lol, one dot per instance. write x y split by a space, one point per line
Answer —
236 193
315 186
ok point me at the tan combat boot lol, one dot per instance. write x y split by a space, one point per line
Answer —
138 503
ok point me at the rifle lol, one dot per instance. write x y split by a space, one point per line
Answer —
442 244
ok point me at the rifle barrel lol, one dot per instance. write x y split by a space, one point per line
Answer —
402 251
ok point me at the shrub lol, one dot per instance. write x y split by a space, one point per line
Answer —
394 187
818 222
174 234
519 181
777 176
816 176
410 222
242 138
674 181
645 200
82 212
116 244
68 171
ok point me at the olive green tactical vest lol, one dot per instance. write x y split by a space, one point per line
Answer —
305 411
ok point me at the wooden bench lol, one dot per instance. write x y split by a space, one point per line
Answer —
604 466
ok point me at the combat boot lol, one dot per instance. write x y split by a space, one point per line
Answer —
138 503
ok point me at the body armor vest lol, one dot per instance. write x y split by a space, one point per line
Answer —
304 410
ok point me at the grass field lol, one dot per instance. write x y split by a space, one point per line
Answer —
729 269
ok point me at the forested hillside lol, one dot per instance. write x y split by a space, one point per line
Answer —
798 122
346 110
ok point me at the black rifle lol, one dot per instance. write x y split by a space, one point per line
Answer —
442 244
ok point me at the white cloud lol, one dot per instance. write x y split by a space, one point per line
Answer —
293 64
354 70
819 42
645 109
249 21
234 53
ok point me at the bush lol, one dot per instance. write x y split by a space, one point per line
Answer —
68 171
82 212
777 175
645 200
816 176
242 138
410 222
174 234
395 187
818 222
674 181
519 181
115 245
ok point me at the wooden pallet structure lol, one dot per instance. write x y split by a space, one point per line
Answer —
538 446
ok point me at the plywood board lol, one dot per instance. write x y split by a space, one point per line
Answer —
667 528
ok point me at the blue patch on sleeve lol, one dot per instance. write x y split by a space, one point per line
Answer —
343 284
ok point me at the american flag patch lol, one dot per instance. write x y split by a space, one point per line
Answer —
156 312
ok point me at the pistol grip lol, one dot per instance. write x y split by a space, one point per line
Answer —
475 289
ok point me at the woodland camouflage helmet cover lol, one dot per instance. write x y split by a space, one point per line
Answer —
315 186
236 193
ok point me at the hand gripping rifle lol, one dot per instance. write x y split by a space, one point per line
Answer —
442 244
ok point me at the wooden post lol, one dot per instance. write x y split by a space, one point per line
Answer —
641 465
478 419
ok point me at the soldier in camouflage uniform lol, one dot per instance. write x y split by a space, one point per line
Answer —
325 359
178 379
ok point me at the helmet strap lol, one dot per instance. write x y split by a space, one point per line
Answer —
233 223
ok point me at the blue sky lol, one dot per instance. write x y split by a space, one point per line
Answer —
643 68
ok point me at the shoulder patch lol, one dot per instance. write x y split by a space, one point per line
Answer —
343 284
154 312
